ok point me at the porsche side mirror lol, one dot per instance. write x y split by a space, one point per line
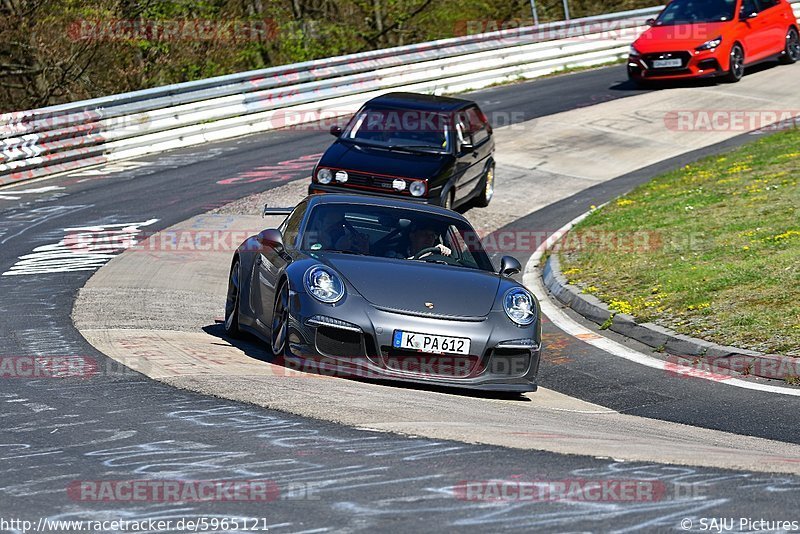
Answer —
650 22
271 238
509 266
744 15
336 131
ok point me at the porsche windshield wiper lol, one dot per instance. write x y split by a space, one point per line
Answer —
352 252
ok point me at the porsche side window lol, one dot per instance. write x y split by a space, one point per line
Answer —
460 249
291 226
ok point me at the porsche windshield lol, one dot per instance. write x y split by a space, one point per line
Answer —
697 11
398 233
402 129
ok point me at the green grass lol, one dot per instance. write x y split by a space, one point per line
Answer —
711 250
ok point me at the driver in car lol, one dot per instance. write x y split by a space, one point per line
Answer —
335 234
422 236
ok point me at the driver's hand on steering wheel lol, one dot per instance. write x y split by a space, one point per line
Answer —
424 253
443 250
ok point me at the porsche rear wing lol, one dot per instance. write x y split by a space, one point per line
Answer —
277 211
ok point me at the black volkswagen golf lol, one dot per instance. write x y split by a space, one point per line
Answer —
433 149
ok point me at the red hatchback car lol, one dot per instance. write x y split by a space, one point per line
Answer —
707 38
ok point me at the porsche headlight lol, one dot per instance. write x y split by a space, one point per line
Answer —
323 284
324 176
520 306
633 52
710 45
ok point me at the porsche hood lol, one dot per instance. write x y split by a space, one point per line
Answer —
412 286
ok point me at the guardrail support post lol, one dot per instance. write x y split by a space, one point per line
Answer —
534 13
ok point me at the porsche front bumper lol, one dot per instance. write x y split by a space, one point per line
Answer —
354 339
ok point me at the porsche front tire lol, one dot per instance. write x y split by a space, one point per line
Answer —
231 323
280 320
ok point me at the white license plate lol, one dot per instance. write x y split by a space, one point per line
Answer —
430 343
667 63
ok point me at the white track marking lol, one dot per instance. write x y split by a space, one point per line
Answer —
84 248
38 190
533 280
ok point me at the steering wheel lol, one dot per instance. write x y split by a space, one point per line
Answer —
424 251
353 232
384 242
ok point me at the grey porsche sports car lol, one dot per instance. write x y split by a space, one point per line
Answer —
351 285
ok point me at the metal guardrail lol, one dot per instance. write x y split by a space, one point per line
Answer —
60 138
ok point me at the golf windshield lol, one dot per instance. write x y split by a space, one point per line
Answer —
697 11
400 129
396 233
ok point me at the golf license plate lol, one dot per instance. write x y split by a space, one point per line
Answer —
667 63
430 343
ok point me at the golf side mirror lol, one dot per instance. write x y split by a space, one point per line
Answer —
509 266
336 131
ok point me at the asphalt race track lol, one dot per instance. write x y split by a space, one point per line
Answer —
115 424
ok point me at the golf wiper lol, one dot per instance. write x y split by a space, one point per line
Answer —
427 149
360 142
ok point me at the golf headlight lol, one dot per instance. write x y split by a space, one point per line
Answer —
633 52
323 284
324 176
417 188
399 185
710 45
341 176
519 306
